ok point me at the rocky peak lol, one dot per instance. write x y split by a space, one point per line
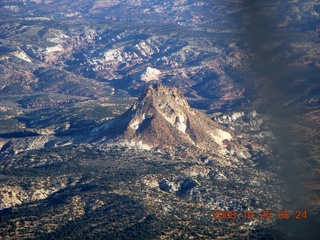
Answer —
159 90
163 98
162 118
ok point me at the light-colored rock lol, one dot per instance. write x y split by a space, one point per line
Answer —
150 74
113 56
22 55
220 136
180 123
57 48
236 115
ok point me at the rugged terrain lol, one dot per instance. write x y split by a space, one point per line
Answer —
159 170
159 162
79 144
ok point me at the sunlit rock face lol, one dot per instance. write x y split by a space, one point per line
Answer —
162 118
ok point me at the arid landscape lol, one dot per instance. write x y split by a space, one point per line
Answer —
139 119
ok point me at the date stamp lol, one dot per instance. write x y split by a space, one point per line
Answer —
261 215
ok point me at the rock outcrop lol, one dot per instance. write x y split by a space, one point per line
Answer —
162 118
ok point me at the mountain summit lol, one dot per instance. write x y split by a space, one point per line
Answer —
162 118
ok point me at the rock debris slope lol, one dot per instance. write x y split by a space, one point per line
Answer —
162 118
